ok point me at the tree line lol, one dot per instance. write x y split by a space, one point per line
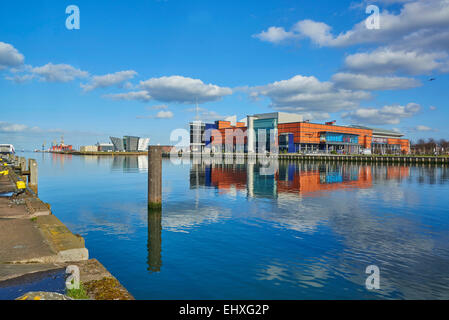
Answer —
430 146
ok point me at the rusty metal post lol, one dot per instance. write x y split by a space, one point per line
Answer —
155 177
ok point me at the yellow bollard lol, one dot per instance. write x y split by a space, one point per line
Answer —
21 185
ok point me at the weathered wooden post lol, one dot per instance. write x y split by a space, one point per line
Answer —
22 164
33 174
155 177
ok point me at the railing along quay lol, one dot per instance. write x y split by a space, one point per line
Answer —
375 159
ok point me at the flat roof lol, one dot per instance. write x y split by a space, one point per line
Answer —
380 131
348 134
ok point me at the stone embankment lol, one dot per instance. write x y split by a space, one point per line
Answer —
34 241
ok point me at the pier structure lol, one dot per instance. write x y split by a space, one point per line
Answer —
34 242
368 159
405 159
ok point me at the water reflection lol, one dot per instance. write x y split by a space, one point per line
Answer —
306 230
154 240
130 163
304 178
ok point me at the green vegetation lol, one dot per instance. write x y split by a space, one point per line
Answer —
78 294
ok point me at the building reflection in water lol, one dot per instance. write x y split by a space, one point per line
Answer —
304 178
130 163
154 240
59 159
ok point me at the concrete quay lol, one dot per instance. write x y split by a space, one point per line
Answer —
399 159
34 241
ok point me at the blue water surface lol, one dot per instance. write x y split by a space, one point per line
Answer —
306 231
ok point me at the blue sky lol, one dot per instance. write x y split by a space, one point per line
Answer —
137 67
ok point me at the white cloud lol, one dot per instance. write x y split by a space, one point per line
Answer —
108 80
164 115
275 35
307 94
159 107
12 128
20 78
133 95
207 115
386 115
422 128
388 61
10 56
183 90
319 32
432 108
414 17
415 40
59 72
363 82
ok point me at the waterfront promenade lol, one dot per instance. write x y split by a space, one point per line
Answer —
33 241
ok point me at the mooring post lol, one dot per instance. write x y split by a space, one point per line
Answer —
155 177
32 178
22 164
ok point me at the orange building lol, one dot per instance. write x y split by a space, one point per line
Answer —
294 136
327 137
225 133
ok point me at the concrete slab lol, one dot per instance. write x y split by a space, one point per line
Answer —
9 209
99 283
6 184
21 240
69 247
36 207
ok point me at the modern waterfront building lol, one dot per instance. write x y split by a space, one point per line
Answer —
88 148
130 144
388 142
290 134
105 147
143 144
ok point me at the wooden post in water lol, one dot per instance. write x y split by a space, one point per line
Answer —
22 164
32 178
155 177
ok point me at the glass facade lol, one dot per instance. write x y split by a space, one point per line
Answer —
263 127
331 137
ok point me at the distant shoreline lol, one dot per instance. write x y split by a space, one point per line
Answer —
100 153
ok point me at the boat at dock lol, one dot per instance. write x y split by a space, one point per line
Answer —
7 149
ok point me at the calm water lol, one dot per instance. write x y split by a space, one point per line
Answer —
229 232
